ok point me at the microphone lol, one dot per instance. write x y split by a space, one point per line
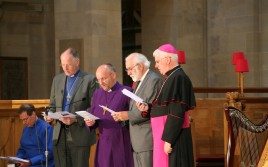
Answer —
47 109
53 108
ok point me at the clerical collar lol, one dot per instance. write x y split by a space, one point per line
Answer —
114 87
173 69
74 75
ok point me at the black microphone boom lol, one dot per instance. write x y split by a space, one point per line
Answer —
53 108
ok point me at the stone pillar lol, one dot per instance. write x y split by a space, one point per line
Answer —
93 28
209 32
181 23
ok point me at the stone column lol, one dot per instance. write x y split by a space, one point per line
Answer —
181 23
93 28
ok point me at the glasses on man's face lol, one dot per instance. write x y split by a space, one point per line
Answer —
25 119
103 79
131 68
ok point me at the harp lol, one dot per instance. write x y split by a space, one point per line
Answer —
247 141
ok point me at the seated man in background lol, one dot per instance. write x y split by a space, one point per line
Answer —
33 139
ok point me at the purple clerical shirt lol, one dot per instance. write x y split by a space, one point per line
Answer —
113 146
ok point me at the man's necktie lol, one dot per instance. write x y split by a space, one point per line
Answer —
136 86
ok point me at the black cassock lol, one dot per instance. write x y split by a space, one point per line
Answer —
174 99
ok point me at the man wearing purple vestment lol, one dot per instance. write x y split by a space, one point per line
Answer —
114 146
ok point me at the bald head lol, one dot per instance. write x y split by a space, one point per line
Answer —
70 61
106 76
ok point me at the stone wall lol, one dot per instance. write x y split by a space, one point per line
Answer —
240 25
94 28
27 30
209 31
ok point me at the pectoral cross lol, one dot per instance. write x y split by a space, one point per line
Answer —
104 110
68 97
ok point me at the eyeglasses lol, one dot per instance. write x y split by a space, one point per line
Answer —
131 68
103 79
24 119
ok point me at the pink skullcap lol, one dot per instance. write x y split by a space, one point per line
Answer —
168 48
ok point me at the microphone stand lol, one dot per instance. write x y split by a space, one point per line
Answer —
46 152
47 108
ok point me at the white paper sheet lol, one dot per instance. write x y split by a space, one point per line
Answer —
59 114
132 96
107 109
87 115
14 159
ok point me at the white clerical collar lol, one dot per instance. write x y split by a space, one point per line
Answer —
75 74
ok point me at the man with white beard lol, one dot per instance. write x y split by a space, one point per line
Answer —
147 84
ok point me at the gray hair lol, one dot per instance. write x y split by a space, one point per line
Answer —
139 59
162 54
110 67
75 53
